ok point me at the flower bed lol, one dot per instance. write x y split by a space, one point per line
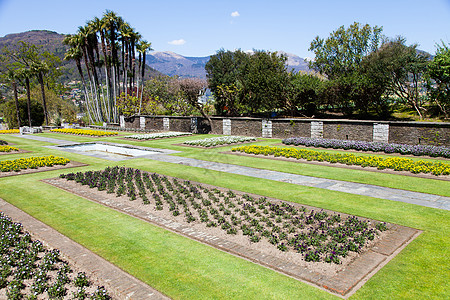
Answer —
157 135
217 141
7 131
316 235
96 133
28 269
32 163
394 163
8 148
418 150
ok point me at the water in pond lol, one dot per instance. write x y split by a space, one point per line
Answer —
111 151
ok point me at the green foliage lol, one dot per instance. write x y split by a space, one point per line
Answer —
340 58
244 83
37 113
438 75
128 104
306 93
343 51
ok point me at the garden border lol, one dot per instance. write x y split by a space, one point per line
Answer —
343 166
71 164
119 283
16 152
343 284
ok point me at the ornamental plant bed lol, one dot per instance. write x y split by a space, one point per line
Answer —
72 164
361 151
333 251
381 163
417 150
219 141
85 132
156 135
339 165
29 269
14 151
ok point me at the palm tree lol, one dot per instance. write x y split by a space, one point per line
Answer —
12 77
27 73
116 58
142 47
40 68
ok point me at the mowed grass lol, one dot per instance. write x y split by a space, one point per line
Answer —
185 269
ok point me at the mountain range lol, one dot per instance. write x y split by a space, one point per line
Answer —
164 62
171 64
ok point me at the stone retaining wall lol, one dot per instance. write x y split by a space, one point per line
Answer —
413 133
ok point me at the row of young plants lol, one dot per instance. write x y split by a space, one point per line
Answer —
4 148
317 235
87 132
9 131
218 141
158 135
29 270
32 163
417 150
393 163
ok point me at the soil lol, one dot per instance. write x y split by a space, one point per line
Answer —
15 152
71 164
341 279
339 165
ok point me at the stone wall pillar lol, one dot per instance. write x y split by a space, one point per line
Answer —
166 124
380 132
226 126
317 129
142 122
194 125
266 128
122 121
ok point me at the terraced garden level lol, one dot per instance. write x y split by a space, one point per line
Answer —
308 240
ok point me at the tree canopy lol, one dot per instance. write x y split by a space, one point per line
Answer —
247 83
107 48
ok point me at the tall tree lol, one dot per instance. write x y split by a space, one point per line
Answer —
344 50
438 76
339 58
108 48
12 78
260 79
401 69
28 61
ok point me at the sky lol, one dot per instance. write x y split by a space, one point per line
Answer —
201 28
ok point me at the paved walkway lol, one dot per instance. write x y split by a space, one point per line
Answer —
423 199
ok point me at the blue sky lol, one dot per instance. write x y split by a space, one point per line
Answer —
200 27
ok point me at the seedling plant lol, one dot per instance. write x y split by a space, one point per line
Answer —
317 234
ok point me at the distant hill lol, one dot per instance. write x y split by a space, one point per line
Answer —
53 42
171 64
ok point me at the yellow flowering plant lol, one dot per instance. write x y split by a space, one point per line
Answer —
393 163
32 163
87 132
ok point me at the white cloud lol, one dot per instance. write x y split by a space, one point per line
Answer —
177 42
235 14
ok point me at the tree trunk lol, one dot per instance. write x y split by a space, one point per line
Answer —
16 100
44 102
27 84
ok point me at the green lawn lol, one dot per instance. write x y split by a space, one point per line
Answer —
185 269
